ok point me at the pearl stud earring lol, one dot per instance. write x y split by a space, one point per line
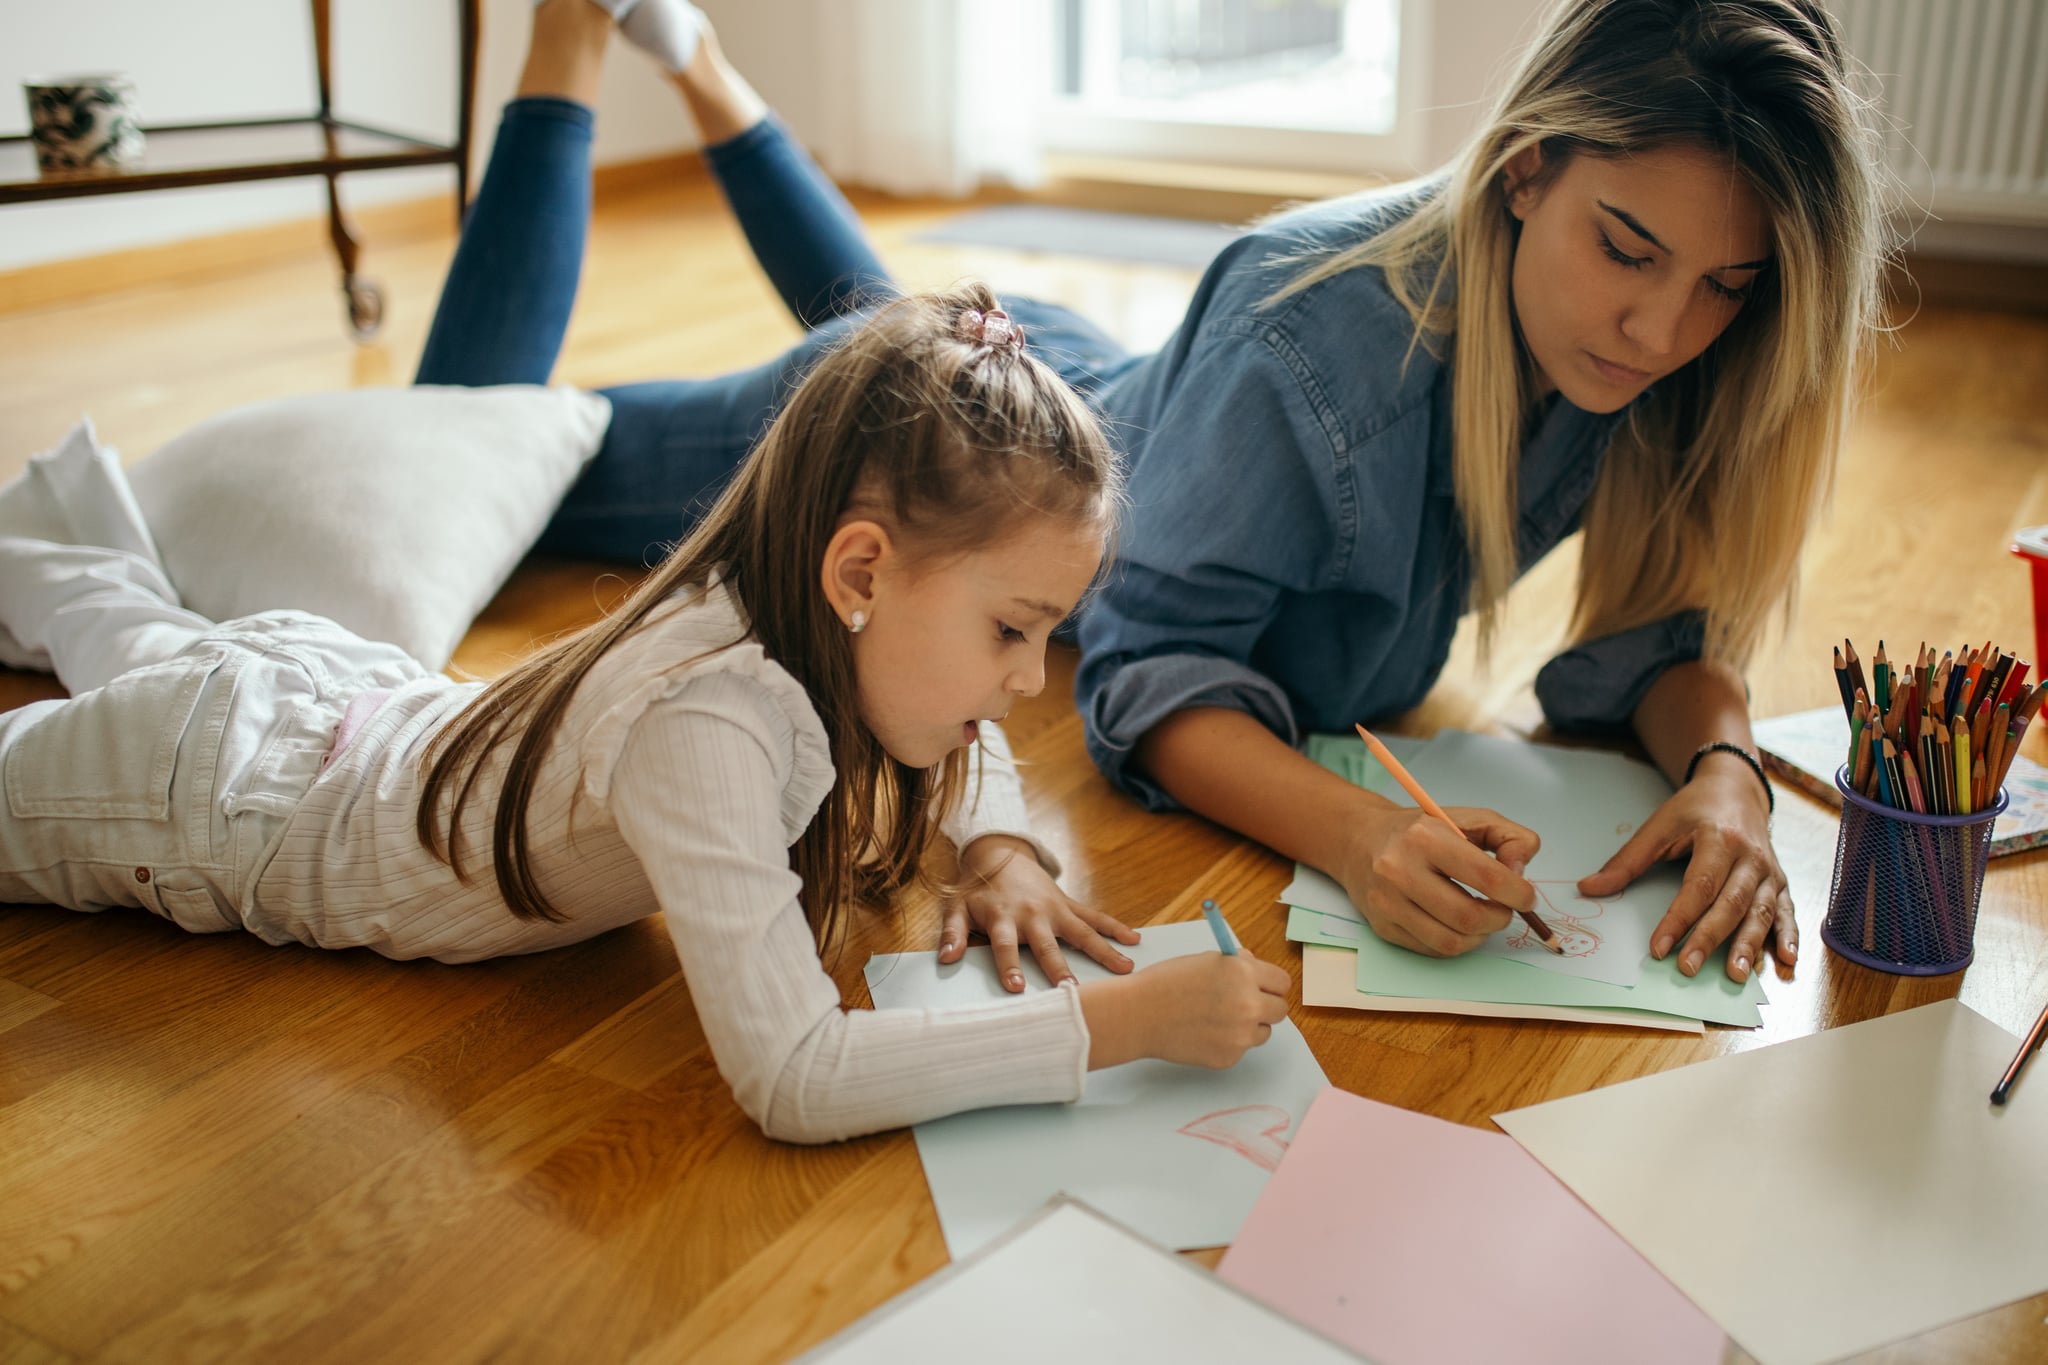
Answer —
859 622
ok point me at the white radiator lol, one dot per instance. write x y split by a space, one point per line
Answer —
1964 99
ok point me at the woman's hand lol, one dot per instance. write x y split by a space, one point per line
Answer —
1206 1009
1006 895
1404 867
1733 883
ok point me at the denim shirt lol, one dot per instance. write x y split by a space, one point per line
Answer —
1294 548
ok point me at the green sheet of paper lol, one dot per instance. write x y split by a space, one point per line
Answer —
1331 931
1384 969
1347 756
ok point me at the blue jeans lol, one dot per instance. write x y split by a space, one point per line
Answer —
672 443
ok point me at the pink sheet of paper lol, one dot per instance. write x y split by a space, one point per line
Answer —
1415 1241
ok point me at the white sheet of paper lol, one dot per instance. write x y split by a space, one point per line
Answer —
1179 1153
1069 1284
1327 979
1825 1195
1584 804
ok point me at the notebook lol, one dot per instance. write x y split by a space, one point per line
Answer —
1804 750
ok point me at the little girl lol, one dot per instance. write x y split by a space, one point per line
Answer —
778 721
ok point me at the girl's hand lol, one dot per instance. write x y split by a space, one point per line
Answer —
1733 883
1207 1009
1009 897
1404 868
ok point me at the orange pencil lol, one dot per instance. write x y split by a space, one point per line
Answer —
1422 799
2029 706
1916 797
1994 744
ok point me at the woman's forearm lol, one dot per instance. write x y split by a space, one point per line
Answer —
1227 766
1692 704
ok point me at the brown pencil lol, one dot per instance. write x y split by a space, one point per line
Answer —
1422 798
1855 667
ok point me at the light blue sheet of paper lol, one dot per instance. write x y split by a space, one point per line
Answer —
1177 1153
1584 805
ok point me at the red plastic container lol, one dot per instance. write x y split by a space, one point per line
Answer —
2032 546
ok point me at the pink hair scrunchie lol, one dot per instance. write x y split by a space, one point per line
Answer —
992 328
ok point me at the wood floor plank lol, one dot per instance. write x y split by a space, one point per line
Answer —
19 1004
211 1218
837 1262
345 1253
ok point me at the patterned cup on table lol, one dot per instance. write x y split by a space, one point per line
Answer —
84 122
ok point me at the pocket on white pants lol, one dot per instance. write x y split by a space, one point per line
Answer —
195 909
112 753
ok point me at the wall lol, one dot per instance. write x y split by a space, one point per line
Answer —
394 64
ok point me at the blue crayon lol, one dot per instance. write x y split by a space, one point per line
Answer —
1225 944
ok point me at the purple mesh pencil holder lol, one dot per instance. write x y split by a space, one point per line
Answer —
1904 899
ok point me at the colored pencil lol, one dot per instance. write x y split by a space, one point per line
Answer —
2030 708
1842 682
1422 798
1914 792
1226 944
1855 668
2028 1047
1964 805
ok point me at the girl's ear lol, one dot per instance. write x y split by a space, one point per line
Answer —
1518 180
856 557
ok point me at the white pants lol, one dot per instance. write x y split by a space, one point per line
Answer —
166 779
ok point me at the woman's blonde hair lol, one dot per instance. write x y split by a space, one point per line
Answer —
912 420
1708 490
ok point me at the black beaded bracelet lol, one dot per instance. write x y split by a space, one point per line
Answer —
1723 746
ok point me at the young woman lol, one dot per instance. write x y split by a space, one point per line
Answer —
1633 306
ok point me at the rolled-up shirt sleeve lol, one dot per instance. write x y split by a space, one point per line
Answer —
1231 509
994 800
1595 687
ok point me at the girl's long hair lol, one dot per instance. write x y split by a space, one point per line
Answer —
950 442
1709 488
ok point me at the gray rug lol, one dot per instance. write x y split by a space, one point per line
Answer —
1086 232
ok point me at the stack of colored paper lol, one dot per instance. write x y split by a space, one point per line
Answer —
1584 805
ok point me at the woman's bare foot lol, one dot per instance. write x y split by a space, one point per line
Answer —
565 55
717 95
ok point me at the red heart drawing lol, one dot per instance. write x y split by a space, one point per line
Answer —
1252 1131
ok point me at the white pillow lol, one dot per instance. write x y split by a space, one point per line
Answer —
396 512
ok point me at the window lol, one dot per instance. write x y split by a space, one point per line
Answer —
1305 83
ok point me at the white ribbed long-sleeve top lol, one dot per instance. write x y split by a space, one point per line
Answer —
685 766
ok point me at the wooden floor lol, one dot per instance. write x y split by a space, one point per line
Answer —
211 1149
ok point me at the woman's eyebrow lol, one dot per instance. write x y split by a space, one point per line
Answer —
1629 221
